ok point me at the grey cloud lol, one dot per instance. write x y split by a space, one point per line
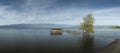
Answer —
18 5
45 11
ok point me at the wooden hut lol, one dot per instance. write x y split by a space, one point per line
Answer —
56 31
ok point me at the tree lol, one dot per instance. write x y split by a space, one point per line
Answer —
87 25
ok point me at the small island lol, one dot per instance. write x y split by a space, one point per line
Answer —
115 27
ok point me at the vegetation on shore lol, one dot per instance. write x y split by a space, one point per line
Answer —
116 27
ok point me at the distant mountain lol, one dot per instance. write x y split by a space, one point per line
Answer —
36 26
104 26
101 27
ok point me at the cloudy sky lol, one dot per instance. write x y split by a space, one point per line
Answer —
106 12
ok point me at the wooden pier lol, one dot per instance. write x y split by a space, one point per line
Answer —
113 47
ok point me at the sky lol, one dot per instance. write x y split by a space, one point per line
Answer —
70 12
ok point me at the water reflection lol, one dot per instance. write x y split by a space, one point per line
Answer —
55 34
85 41
87 44
40 41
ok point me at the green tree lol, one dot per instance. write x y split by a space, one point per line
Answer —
87 24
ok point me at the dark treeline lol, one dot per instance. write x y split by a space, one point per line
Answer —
115 27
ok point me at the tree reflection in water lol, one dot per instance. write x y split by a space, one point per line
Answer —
87 44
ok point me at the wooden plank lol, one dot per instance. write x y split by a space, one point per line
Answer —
113 47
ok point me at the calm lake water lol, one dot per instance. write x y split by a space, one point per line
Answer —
40 41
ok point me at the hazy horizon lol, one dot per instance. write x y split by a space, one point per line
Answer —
70 12
54 24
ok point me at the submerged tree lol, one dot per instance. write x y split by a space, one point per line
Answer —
87 25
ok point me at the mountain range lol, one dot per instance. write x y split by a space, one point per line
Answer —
36 26
39 26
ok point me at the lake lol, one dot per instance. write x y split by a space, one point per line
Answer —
41 41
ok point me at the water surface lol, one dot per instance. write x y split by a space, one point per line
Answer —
40 41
